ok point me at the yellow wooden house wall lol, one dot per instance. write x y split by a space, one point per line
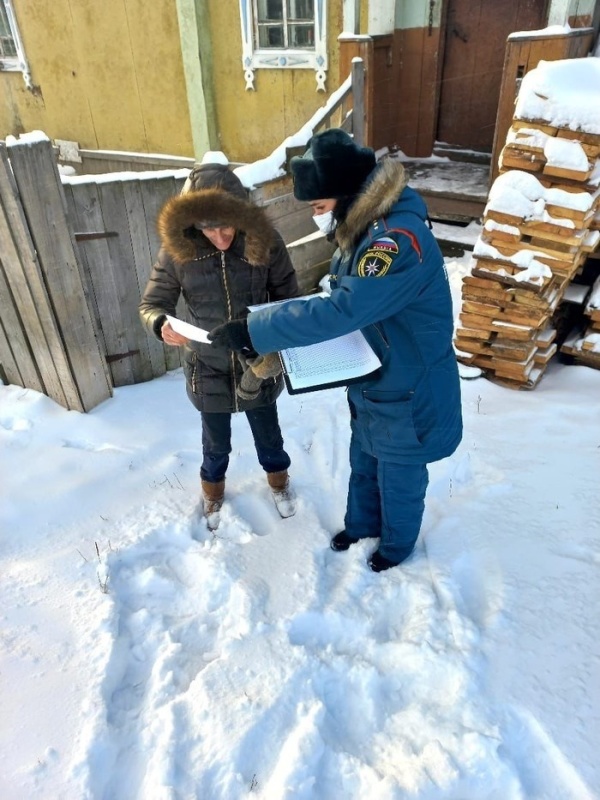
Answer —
252 123
110 75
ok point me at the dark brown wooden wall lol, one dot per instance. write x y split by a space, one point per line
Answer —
384 88
424 85
475 34
402 76
417 54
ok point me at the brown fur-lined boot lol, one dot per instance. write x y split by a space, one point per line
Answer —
283 495
212 497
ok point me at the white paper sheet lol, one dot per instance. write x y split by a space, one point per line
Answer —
189 331
334 361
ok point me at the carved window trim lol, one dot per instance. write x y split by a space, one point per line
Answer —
13 61
254 58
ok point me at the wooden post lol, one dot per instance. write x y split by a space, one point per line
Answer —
362 47
78 360
358 94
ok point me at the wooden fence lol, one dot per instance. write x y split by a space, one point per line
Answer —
48 339
76 253
97 162
115 226
114 220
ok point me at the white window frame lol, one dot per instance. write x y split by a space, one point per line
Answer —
18 62
284 58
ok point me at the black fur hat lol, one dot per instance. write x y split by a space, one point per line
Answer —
332 166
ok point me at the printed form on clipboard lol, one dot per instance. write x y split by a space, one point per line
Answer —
335 362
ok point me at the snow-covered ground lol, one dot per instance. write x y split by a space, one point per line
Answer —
144 658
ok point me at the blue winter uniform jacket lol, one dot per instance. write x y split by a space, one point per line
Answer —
390 281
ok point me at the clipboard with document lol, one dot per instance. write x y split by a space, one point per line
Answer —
325 365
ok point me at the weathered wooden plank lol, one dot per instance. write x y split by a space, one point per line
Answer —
155 193
272 189
89 216
142 262
102 161
9 368
39 185
28 289
308 279
291 218
452 208
85 267
311 258
15 354
120 249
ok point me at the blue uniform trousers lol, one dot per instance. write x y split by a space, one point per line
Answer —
385 499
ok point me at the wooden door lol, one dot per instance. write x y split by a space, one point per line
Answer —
475 42
385 100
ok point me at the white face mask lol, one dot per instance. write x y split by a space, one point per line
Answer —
325 222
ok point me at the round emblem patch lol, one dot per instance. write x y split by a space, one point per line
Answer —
374 264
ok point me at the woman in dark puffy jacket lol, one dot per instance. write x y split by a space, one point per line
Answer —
220 252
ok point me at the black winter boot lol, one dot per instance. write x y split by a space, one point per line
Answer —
341 541
378 563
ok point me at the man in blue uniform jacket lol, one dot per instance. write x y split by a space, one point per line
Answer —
388 279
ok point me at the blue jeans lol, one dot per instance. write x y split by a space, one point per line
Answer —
216 442
385 499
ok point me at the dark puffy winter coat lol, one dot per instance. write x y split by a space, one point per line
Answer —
388 279
217 286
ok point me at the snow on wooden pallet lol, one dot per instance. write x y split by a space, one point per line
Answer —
540 225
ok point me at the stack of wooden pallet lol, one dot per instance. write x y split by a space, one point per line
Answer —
540 225
584 345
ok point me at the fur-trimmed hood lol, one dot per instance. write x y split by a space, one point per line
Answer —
181 239
377 198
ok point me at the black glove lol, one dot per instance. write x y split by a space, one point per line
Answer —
234 336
